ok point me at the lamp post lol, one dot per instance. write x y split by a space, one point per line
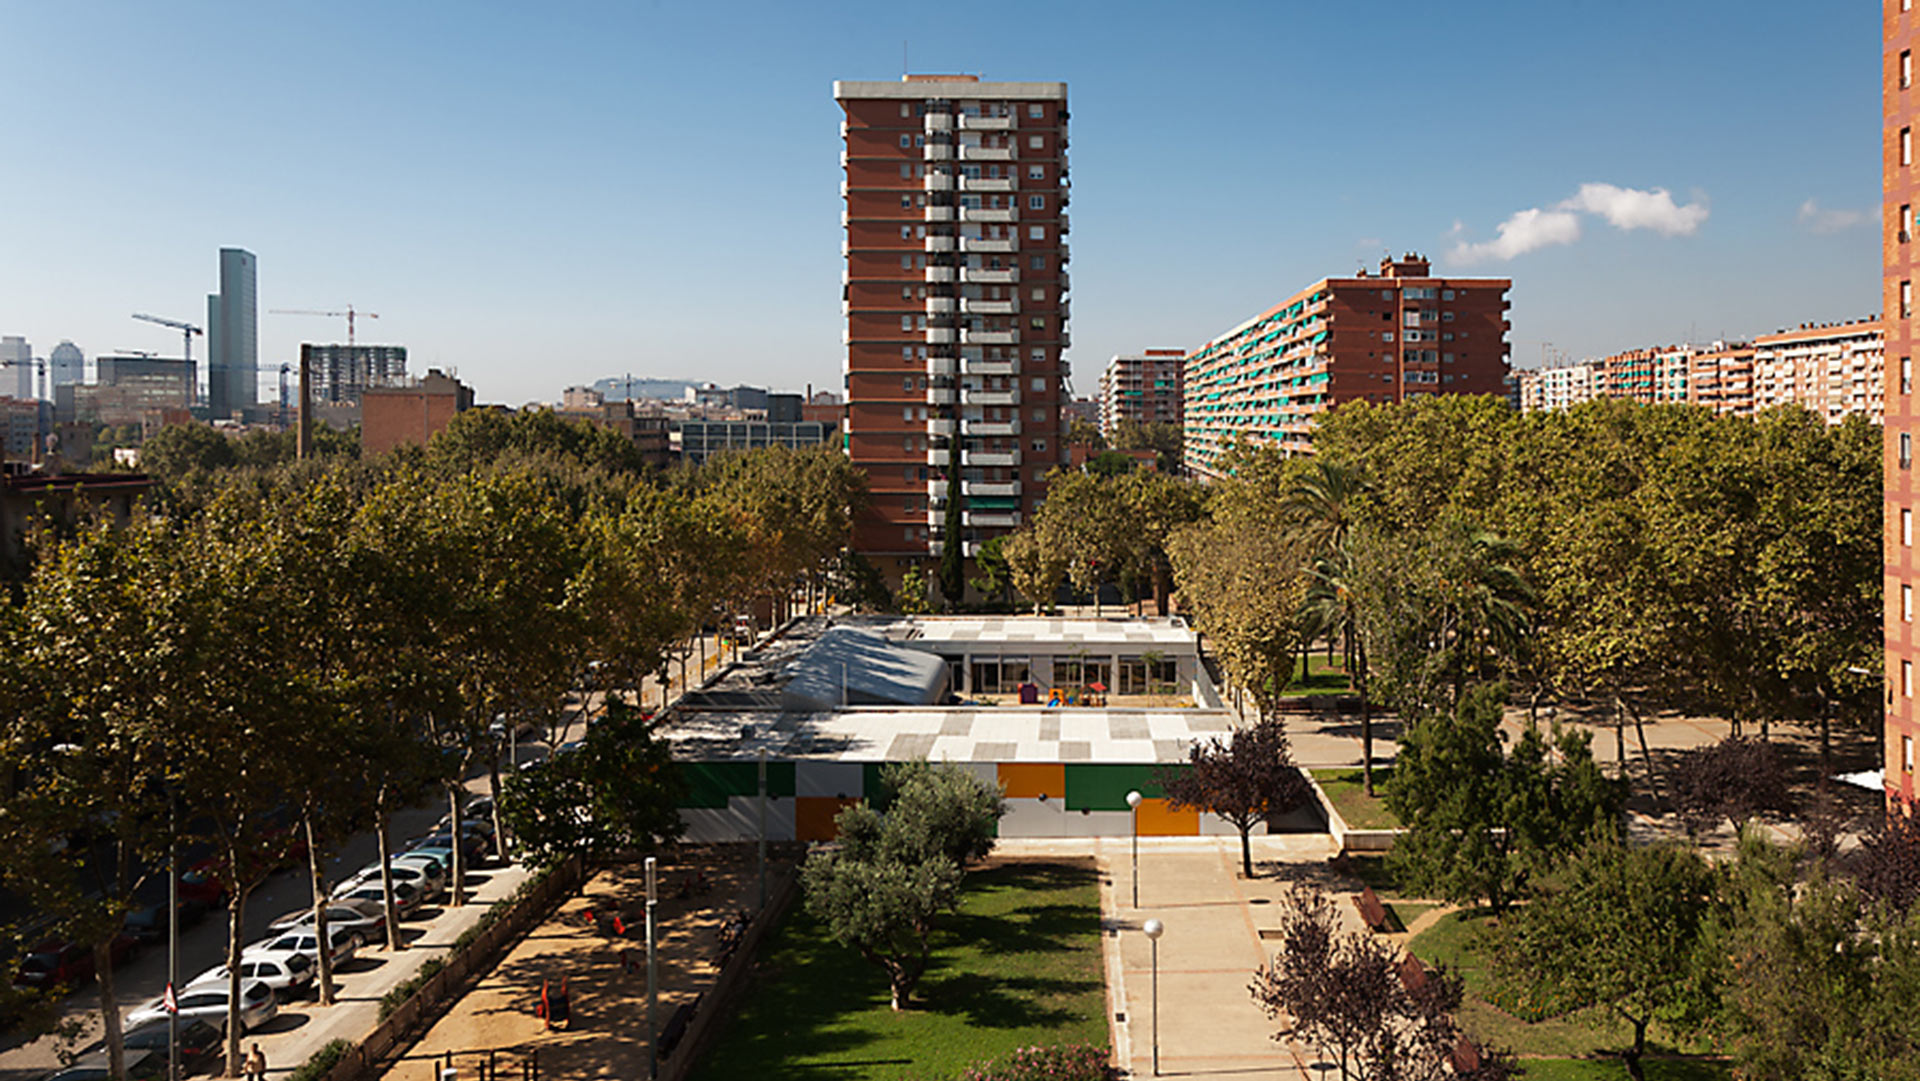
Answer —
1133 807
653 1033
748 732
173 943
1154 929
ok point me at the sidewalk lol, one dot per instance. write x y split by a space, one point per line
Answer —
1209 1025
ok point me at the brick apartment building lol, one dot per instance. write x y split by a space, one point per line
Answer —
410 411
1146 388
1397 336
1900 263
955 297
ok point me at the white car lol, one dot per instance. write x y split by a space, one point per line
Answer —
411 872
360 916
302 940
209 1001
289 974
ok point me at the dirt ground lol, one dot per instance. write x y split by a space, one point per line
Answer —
604 971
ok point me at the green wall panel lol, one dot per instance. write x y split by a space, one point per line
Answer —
710 783
1104 786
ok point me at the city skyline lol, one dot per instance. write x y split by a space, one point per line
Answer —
537 201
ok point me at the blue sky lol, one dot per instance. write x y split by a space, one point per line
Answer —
540 195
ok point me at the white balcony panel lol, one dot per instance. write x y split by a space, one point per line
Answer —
985 123
937 456
975 213
990 307
940 243
938 213
939 121
982 276
936 489
1008 519
938 182
939 426
985 153
990 488
991 183
939 273
987 244
940 335
984 458
939 305
937 152
989 397
937 517
990 337
1066 226
994 427
940 395
940 365
989 367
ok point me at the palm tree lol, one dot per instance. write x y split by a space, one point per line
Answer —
1485 607
1332 607
1318 510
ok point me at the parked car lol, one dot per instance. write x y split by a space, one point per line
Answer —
473 846
203 884
361 917
59 963
148 923
405 897
200 1041
94 1066
289 973
412 873
345 942
208 1001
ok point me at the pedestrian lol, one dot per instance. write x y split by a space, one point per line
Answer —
256 1064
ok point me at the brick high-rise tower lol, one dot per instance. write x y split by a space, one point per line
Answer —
955 296
1900 260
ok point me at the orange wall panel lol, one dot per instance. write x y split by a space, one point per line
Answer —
1031 780
813 816
1158 818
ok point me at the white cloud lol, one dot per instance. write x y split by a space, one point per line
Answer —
1622 208
1814 218
1628 208
1524 232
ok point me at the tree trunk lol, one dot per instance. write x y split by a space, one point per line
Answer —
319 895
1366 719
459 895
110 1008
901 987
236 916
1640 729
499 827
1632 1056
1246 850
381 832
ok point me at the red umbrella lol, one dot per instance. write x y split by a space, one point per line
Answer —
1101 687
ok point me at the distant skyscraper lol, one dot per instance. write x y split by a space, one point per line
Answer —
16 377
69 365
233 341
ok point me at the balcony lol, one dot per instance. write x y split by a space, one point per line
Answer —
937 152
940 335
989 397
991 183
940 365
938 182
937 517
938 274
939 243
939 121
990 488
937 213
940 426
936 489
937 456
1065 225
1005 213
991 427
982 276
988 367
990 337
990 307
940 305
969 548
984 244
988 458
941 395
985 123
985 153
1009 519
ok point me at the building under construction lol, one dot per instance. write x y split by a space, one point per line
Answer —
342 373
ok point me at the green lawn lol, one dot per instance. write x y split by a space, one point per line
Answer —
1658 1069
1322 678
1455 941
1348 791
1019 965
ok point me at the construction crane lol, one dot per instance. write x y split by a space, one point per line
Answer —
350 315
187 330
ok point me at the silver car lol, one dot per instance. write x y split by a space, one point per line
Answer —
289 974
359 916
209 1001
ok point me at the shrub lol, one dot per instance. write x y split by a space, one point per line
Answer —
1070 1062
322 1061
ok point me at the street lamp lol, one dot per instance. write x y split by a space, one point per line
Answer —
1154 928
748 732
653 1033
1133 807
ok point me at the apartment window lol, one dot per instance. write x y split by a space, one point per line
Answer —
1906 679
1039 446
905 170
906 232
1039 384
1036 112
906 292
1906 527
1039 416
1906 604
1036 202
1906 450
906 382
1038 356
1446 294
906 201
906 141
1038 262
905 109
919 140
1906 753
1039 293
1906 68
1039 323
1906 375
1035 142
1906 299
1906 146
1036 232
1036 172
906 322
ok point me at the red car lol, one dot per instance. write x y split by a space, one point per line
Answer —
59 963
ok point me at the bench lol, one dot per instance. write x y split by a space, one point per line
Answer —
1372 912
677 1026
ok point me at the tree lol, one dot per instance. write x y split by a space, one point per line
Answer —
1482 823
995 576
1332 608
1246 779
619 792
913 598
1886 866
1035 569
1164 438
1736 779
1109 464
1624 933
1350 990
882 888
1083 432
